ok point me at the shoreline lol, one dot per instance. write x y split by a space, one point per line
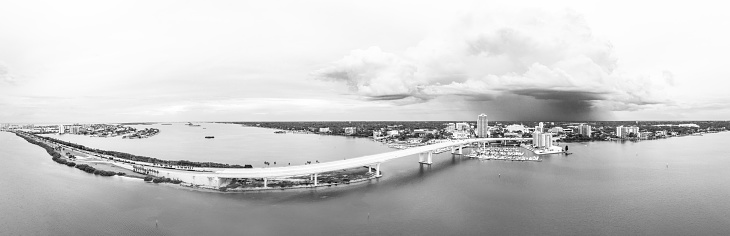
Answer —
112 165
97 160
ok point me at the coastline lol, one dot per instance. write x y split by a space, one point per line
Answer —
97 160
113 164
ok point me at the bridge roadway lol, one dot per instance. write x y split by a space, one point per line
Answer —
369 160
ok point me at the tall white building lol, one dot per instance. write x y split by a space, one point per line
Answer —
482 126
584 129
540 128
624 131
542 140
61 129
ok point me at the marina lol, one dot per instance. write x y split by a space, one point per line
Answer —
502 153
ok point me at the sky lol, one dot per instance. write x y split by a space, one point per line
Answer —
136 61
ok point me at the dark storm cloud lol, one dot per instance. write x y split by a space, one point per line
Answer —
548 94
522 108
389 97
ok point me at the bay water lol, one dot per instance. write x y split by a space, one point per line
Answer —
676 186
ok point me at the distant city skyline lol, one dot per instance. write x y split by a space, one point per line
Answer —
170 61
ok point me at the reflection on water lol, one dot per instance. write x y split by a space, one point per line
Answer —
665 187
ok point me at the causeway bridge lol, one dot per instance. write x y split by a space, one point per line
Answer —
223 176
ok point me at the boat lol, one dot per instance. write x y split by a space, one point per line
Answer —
209 137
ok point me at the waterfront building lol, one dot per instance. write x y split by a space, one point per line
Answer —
393 132
377 134
324 130
482 126
624 131
542 140
75 129
540 128
61 129
350 130
584 129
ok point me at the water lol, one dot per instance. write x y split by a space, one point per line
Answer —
233 144
605 188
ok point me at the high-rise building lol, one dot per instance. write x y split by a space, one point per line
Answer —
540 128
61 129
482 126
624 131
542 140
584 129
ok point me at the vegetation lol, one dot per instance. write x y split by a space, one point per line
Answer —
55 156
363 128
131 157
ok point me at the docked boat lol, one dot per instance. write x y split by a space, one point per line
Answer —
209 137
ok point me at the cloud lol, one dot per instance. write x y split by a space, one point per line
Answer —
373 74
5 75
484 56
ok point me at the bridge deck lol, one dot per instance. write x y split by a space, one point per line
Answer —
340 164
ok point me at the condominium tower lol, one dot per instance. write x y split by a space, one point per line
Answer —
482 126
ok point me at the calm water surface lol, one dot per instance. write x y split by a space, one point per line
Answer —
605 188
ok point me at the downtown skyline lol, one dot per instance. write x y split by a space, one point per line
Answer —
326 60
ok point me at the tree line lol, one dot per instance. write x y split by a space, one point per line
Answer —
132 157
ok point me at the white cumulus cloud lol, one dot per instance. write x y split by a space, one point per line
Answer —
484 55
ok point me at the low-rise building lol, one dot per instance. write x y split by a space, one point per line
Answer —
393 132
423 132
463 126
516 128
460 135
350 130
556 130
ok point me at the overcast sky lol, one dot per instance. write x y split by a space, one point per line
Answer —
125 61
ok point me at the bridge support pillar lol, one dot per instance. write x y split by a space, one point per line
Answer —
377 170
315 179
266 184
453 150
370 169
430 158
420 157
460 152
